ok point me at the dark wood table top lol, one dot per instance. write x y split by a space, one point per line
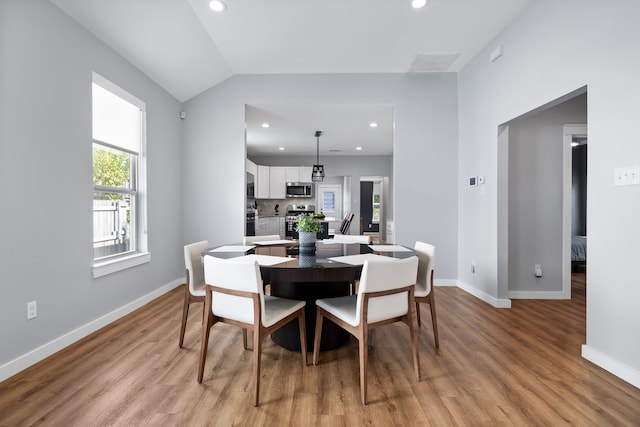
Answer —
322 259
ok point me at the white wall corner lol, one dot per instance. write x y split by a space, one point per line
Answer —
21 363
620 370
491 300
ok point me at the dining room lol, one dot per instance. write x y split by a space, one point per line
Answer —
89 339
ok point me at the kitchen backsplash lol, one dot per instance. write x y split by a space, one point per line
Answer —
267 207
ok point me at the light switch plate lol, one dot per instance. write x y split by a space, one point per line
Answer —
627 175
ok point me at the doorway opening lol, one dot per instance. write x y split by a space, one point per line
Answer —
372 206
535 199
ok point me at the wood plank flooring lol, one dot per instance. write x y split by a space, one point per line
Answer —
516 367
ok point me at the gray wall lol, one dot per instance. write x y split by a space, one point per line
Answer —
545 57
424 160
535 195
46 251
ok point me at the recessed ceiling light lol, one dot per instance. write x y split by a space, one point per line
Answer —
359 148
373 125
417 4
217 5
265 125
281 148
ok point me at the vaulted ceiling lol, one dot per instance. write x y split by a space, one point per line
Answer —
187 48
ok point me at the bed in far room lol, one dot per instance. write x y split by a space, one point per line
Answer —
578 252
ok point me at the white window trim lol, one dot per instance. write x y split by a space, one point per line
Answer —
114 265
142 256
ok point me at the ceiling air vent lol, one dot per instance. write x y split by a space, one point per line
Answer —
432 63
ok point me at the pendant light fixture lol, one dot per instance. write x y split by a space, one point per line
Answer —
318 170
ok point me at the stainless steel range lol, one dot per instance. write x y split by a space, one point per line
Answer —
292 216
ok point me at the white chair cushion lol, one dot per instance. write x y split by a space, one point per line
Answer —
421 293
276 309
387 307
341 307
232 307
426 256
193 263
199 291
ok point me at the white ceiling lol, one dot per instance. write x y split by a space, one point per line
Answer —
344 128
187 48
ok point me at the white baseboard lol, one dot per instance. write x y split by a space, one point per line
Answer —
620 370
491 300
538 295
445 282
34 356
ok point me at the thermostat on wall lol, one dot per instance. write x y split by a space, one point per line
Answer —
473 181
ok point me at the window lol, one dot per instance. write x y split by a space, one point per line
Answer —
118 133
329 200
376 209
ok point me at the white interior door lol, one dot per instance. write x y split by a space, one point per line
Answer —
329 202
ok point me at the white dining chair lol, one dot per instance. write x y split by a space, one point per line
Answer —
234 295
385 295
194 292
352 238
425 292
251 239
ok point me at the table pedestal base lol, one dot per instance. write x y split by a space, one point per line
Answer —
289 335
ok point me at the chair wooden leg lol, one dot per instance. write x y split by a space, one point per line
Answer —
418 314
185 314
363 346
413 332
244 339
316 340
257 353
432 305
204 345
371 338
303 337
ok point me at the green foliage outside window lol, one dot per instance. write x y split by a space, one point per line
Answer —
376 208
111 168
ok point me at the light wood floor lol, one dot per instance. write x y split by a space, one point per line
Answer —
515 367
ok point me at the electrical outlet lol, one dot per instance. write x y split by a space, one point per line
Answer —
32 310
537 269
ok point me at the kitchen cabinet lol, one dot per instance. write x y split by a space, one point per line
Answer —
270 225
298 174
271 180
251 167
305 173
277 182
263 179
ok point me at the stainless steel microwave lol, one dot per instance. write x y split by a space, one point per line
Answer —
300 189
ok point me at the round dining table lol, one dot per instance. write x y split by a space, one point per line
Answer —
327 274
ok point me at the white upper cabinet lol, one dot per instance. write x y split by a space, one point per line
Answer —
292 174
263 180
277 182
298 174
251 167
305 173
271 180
